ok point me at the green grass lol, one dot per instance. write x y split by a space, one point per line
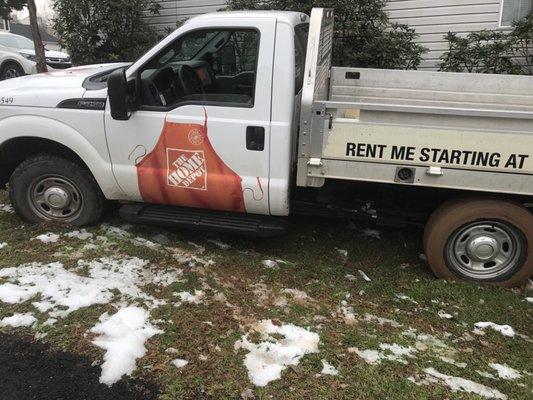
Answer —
316 267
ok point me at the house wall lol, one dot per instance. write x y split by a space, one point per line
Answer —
173 11
432 19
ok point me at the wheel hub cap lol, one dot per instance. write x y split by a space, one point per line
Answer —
56 197
483 248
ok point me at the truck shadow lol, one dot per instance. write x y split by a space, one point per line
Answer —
32 370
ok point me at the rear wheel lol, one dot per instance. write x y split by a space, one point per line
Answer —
49 188
11 70
481 240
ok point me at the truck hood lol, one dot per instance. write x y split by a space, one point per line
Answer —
47 53
51 88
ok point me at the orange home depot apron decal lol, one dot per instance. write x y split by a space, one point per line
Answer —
184 170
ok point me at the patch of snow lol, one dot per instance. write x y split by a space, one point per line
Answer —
382 321
64 291
122 336
47 237
505 330
3 245
116 231
369 233
90 247
457 384
451 361
328 369
444 315
528 299
266 360
179 363
80 234
343 253
187 297
171 350
425 342
391 352
18 320
350 277
219 244
7 208
423 257
167 278
299 296
505 372
364 276
140 242
270 264
348 313
220 297
406 298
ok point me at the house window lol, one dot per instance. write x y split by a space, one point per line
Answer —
4 25
514 10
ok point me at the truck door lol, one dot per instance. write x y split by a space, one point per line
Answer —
201 135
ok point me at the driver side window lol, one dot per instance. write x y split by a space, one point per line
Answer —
211 66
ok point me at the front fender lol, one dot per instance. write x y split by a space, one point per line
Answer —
90 146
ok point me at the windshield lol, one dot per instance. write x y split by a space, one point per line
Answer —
16 42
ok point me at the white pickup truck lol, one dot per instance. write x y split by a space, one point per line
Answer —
237 120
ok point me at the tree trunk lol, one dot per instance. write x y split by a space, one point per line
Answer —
37 41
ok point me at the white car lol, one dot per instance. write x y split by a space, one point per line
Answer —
17 57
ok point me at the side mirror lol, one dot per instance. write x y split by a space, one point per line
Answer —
119 98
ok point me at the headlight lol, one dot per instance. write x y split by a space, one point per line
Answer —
30 57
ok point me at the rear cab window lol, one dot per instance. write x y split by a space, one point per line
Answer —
301 33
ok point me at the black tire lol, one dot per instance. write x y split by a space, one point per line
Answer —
73 185
10 68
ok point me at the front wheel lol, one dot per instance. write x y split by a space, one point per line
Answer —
11 70
49 188
481 240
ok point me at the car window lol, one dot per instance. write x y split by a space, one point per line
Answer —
16 42
301 33
209 66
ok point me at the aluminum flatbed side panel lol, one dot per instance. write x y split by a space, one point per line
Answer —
461 131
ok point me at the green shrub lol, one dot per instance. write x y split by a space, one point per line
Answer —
491 52
363 36
97 31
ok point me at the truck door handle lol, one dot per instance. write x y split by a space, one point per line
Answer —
255 138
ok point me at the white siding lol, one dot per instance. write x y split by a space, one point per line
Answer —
432 19
173 11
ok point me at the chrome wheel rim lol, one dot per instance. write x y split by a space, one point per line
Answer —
12 73
485 250
55 198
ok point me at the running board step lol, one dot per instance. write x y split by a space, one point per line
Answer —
200 219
